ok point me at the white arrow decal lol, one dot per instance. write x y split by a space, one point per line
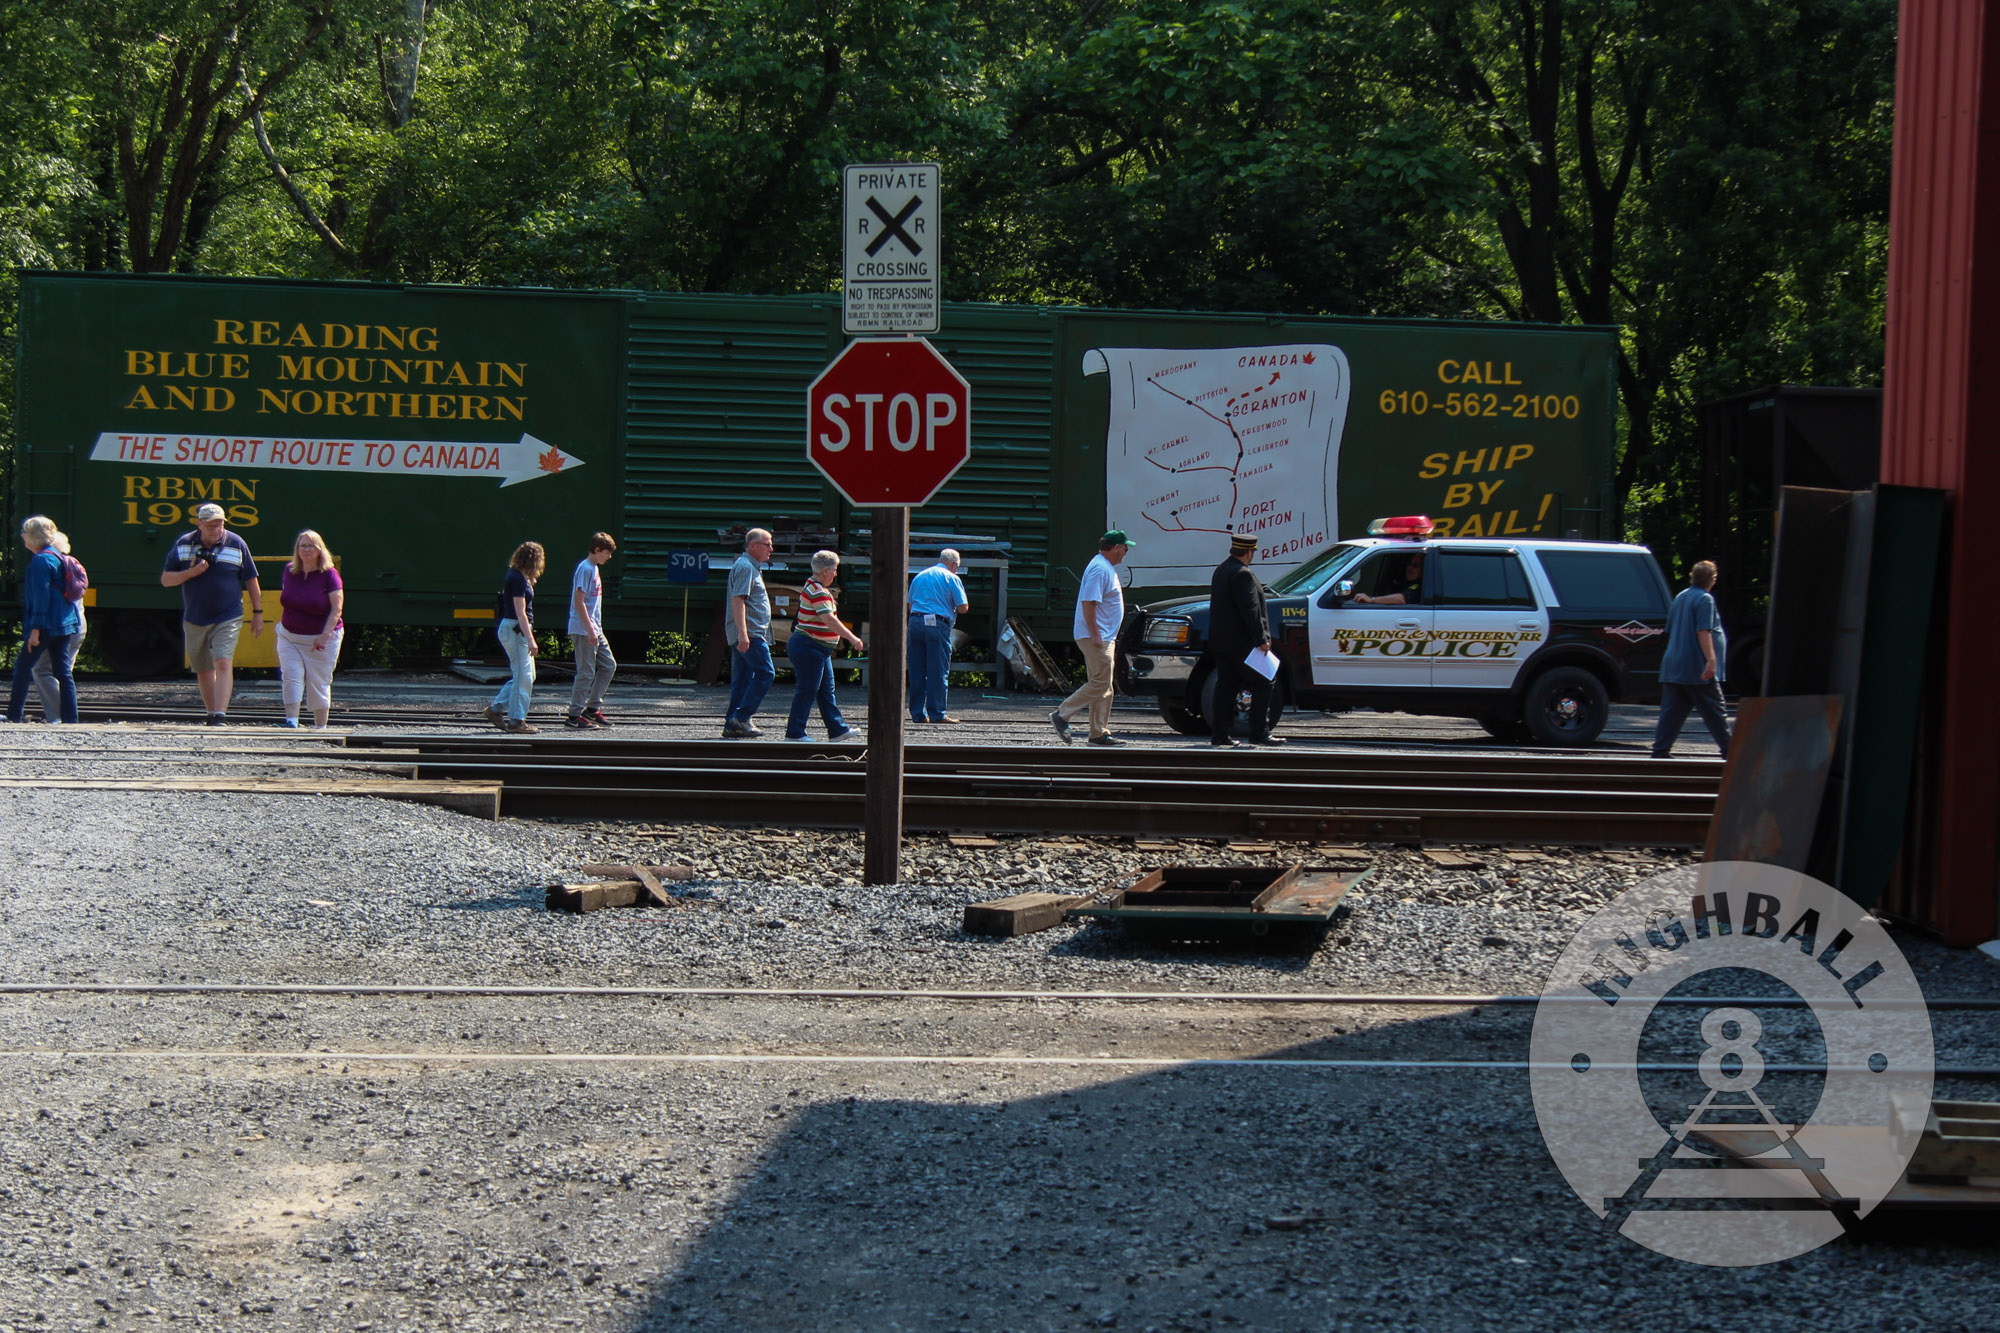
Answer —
523 460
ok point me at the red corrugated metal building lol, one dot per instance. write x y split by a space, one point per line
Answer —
1941 428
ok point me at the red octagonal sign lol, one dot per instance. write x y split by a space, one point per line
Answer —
888 421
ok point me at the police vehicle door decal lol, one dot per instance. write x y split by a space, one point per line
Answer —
1364 643
1487 621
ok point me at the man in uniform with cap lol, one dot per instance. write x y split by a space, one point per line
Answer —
213 569
1100 609
1237 626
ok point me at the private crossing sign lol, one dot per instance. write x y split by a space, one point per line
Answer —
890 273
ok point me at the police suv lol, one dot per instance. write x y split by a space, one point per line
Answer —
1533 639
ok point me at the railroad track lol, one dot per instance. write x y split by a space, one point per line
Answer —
1303 794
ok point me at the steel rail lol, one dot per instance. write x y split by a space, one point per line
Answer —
1014 765
476 990
620 748
1300 794
984 1061
1157 818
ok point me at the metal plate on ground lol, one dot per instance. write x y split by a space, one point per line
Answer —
1223 901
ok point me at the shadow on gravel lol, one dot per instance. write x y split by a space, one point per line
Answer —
1273 1198
529 900
1287 953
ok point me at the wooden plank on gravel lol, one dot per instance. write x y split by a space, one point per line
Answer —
481 799
971 840
1022 914
592 896
1454 860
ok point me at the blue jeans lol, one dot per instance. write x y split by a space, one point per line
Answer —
56 647
520 686
930 663
1704 697
750 677
812 662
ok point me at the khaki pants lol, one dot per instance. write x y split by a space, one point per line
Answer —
1095 693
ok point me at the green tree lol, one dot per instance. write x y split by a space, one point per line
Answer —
1714 178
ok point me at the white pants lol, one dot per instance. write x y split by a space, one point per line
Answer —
306 670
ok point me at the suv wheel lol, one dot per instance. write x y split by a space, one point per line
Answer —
1242 728
1182 718
1565 706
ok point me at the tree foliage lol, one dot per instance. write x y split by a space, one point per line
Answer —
1712 178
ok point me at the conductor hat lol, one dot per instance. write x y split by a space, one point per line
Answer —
1242 542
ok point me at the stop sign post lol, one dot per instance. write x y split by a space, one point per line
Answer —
887 422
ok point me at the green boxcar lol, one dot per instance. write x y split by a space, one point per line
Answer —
427 430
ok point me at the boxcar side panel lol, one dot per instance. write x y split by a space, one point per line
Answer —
1183 428
716 418
424 431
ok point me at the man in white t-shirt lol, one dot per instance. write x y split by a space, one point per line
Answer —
594 663
1100 609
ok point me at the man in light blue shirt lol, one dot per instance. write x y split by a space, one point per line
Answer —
1692 668
937 597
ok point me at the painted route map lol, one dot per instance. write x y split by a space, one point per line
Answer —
1207 442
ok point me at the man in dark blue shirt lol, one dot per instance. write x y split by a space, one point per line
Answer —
213 569
1692 668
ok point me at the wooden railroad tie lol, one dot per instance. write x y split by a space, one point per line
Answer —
481 799
1022 914
631 886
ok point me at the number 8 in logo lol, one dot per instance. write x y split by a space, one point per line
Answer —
1722 1044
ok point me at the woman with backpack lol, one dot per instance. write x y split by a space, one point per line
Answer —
49 619
516 628
310 629
75 581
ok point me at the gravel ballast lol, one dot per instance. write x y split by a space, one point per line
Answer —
294 1161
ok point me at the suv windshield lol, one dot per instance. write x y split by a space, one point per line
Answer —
1309 577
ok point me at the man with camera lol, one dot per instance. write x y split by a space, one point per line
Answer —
212 567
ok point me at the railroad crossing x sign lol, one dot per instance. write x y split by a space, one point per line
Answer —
890 273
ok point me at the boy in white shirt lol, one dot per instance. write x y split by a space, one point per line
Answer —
594 663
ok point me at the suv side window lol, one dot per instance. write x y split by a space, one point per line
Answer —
1391 571
1480 579
1605 583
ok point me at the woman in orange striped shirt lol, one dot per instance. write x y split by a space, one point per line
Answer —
815 636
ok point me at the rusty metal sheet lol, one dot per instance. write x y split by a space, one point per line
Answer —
1772 790
1247 899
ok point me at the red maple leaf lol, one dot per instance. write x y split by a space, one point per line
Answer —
1309 358
551 461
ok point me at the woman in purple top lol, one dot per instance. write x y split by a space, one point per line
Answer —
309 631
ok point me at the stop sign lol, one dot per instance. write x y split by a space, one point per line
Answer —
888 421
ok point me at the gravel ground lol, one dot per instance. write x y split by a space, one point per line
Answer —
282 1161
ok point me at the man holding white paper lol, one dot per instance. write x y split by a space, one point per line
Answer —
1239 638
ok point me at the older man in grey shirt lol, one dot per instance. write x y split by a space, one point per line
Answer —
748 626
